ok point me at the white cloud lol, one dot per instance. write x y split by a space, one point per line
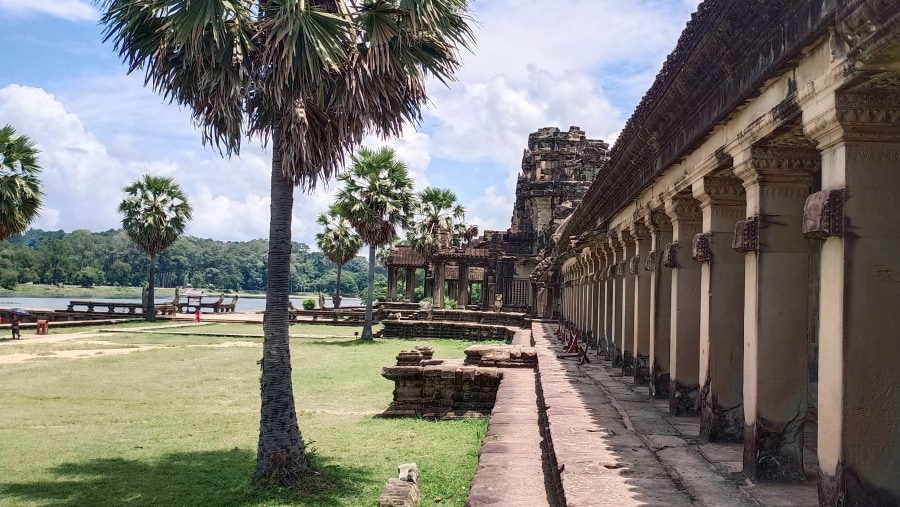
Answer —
83 179
74 10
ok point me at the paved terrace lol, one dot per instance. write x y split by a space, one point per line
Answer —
583 435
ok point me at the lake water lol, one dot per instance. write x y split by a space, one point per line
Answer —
245 304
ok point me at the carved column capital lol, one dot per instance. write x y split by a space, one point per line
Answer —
626 238
778 165
657 223
640 232
720 191
683 208
870 115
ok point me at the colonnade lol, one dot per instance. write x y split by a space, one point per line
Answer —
757 292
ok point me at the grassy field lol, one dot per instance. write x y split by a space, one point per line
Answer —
177 424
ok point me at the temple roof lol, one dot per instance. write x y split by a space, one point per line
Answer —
405 256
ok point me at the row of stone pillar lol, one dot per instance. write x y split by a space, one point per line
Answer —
719 291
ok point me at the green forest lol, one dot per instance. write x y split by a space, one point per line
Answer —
88 258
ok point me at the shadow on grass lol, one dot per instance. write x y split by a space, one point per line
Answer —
343 342
216 478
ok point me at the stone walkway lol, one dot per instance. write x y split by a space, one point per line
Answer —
609 444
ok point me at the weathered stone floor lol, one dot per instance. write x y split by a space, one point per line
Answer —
611 445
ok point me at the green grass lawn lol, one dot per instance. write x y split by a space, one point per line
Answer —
178 425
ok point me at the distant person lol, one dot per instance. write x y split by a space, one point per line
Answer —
14 326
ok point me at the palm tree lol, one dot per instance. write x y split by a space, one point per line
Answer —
314 77
20 188
154 213
339 242
439 224
377 198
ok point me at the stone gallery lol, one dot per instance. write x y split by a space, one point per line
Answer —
742 240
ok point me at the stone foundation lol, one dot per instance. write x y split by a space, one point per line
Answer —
452 388
416 329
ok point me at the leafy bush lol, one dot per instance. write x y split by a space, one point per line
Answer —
9 280
309 304
450 303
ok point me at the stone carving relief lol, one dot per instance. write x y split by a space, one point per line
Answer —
746 235
823 214
652 261
634 265
701 250
670 255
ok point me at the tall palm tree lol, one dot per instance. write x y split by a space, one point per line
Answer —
154 213
339 242
378 199
314 77
20 188
439 218
438 214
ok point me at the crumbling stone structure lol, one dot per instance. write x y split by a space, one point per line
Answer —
742 238
557 169
452 388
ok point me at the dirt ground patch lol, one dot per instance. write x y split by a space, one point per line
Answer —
111 349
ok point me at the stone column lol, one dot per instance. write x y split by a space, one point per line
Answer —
582 292
660 304
463 286
608 298
616 337
857 216
684 385
776 281
439 284
642 317
597 306
392 283
723 204
410 283
627 344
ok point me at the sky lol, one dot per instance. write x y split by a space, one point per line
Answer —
537 64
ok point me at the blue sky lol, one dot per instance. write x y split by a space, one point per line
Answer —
537 64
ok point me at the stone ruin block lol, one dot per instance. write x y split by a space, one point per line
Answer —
402 491
409 358
746 235
701 250
670 255
823 214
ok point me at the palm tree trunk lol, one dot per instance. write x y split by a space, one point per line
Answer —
150 310
336 300
281 456
367 327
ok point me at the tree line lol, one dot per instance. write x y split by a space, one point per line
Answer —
88 258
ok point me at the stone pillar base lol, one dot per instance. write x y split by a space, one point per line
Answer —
718 423
628 363
683 400
659 385
773 452
642 370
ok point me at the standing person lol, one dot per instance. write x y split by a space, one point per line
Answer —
14 326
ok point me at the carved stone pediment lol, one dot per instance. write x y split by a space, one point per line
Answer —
823 214
611 271
746 235
700 249
634 265
652 261
670 255
620 269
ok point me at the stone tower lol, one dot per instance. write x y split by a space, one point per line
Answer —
557 169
